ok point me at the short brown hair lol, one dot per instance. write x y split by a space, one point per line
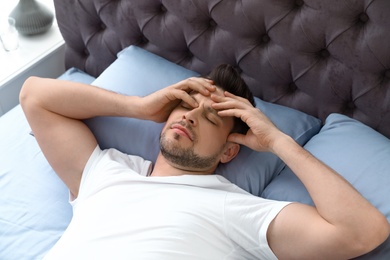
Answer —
227 77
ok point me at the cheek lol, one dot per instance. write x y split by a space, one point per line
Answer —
173 117
211 141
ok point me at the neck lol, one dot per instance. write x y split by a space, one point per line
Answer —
163 167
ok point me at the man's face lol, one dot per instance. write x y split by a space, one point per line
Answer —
195 138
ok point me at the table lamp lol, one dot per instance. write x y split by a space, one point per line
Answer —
31 17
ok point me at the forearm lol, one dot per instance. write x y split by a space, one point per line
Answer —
76 100
342 225
335 199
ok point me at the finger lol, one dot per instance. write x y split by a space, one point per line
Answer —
242 99
236 138
223 106
221 99
201 85
222 103
231 113
218 98
185 97
209 84
230 97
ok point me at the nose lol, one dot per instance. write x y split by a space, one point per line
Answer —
191 116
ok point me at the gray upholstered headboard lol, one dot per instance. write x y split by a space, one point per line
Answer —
313 55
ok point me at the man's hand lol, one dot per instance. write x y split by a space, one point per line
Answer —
336 228
158 105
262 132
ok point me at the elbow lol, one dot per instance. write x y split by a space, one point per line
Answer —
381 232
26 90
371 239
29 94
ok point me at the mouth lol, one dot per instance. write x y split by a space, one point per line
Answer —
182 130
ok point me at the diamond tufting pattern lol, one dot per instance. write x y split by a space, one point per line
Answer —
313 55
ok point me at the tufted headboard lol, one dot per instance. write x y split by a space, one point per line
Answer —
312 55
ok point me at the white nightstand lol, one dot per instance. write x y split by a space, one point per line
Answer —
39 55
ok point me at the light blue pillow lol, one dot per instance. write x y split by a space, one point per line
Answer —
253 171
77 75
34 208
359 153
138 72
135 72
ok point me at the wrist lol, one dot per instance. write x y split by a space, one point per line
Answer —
133 107
281 143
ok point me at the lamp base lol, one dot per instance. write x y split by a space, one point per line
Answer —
31 17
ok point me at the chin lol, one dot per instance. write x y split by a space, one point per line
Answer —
183 156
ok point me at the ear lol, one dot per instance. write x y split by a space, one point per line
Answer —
231 150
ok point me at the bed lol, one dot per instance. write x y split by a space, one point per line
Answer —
319 69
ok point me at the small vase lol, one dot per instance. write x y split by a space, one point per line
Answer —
32 17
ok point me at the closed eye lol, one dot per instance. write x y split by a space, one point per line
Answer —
211 121
208 113
212 115
209 118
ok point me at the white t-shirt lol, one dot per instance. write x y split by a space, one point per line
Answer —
120 213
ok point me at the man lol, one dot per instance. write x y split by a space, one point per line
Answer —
179 210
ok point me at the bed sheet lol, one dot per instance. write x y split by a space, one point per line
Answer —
34 208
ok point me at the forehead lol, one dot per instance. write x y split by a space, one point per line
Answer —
206 100
199 97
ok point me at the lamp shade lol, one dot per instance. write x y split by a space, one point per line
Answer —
31 17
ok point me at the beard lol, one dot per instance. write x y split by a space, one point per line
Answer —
185 157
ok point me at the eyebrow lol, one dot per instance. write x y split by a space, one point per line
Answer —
212 110
208 108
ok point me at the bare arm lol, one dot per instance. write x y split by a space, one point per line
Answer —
55 108
342 225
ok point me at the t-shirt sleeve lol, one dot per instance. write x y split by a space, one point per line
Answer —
104 163
247 219
91 163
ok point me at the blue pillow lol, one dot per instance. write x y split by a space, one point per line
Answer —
135 72
357 152
139 72
34 209
253 171
77 75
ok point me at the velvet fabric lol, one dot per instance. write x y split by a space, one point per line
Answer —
316 56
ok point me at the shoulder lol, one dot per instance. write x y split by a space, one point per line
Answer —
250 209
115 158
246 202
104 165
251 215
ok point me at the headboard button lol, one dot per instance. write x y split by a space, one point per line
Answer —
363 17
143 39
350 106
212 23
387 74
238 69
324 53
163 9
265 38
189 55
299 3
292 87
